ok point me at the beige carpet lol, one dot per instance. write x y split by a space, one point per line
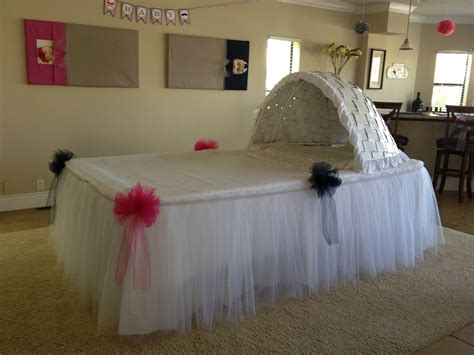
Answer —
398 312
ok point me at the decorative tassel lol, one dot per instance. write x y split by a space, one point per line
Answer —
205 144
56 166
324 179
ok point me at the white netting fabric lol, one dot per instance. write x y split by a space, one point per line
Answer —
220 254
322 108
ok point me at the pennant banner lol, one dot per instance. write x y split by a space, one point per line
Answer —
156 16
110 6
142 14
184 17
127 11
170 16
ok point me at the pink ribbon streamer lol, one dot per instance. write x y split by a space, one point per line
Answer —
465 124
136 209
135 246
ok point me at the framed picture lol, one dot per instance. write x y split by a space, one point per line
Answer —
397 71
223 63
376 68
60 53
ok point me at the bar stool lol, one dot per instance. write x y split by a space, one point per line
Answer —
457 141
394 114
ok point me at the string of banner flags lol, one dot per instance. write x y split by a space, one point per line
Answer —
157 15
141 13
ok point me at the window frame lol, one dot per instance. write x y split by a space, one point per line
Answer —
464 85
292 47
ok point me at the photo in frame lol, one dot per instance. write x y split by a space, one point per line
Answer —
376 69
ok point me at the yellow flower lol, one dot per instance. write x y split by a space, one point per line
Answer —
340 55
341 50
355 52
330 49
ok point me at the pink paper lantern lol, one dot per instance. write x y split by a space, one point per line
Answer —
446 27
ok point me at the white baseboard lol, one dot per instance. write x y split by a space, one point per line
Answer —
23 201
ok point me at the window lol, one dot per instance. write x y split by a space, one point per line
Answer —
283 58
451 79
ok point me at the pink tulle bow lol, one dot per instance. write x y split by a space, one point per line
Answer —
136 208
205 144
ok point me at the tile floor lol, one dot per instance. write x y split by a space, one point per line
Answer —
453 214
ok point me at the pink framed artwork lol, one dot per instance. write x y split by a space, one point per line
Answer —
80 55
45 52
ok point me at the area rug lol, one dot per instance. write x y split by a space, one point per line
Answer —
398 312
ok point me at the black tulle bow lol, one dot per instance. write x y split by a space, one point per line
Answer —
56 165
324 179
59 159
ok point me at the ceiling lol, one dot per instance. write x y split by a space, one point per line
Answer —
425 11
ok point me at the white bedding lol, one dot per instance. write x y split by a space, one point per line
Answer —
211 174
234 231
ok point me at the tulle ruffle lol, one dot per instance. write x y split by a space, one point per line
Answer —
221 258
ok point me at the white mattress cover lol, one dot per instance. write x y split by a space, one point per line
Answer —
204 175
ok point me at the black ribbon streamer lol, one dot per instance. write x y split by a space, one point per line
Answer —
56 166
325 180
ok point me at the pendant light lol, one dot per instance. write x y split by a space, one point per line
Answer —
406 43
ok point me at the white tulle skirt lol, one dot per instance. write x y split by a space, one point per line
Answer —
215 259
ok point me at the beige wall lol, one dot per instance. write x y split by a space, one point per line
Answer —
378 21
99 122
426 42
35 120
461 40
2 53
423 135
421 63
393 89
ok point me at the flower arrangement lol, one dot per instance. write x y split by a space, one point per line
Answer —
340 55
